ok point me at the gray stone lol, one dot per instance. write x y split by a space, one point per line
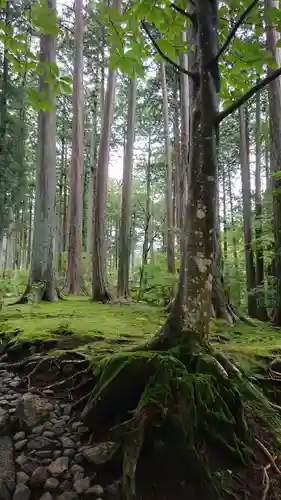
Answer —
52 484
7 465
38 430
46 461
22 477
43 454
39 477
28 467
58 430
75 426
19 436
48 392
101 453
66 442
81 485
22 492
48 434
66 486
96 490
69 452
4 492
56 454
32 409
75 469
46 496
15 384
67 410
68 495
41 443
21 459
19 445
59 466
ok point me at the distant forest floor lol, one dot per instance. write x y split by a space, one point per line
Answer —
78 328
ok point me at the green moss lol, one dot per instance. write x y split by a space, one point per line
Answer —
111 326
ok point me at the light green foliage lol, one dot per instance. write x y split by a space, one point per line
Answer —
24 59
160 285
244 61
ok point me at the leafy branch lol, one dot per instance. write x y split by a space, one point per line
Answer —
194 76
233 32
189 16
245 97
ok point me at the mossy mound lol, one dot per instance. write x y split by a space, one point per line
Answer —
190 398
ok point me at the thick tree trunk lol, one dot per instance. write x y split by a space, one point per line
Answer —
127 192
42 261
275 135
99 282
261 309
74 266
246 193
29 238
169 175
193 304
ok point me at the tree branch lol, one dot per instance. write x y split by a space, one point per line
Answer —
250 93
189 16
194 76
233 31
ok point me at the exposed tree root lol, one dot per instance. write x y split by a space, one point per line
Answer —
269 456
265 482
35 292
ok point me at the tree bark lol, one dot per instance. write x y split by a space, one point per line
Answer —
261 309
92 192
274 91
74 267
177 165
127 192
99 279
169 175
234 242
246 193
43 261
147 221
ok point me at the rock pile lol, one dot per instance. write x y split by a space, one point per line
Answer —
43 455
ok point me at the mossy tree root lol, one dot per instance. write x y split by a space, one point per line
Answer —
192 398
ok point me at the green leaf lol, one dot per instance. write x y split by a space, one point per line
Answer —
167 48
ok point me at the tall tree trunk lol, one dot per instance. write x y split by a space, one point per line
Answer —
91 192
99 283
234 241
147 221
3 128
42 261
177 157
225 249
261 310
127 192
74 267
29 239
185 92
61 200
169 175
275 160
246 193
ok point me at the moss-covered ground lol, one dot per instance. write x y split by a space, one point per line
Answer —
150 383
102 329
113 327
